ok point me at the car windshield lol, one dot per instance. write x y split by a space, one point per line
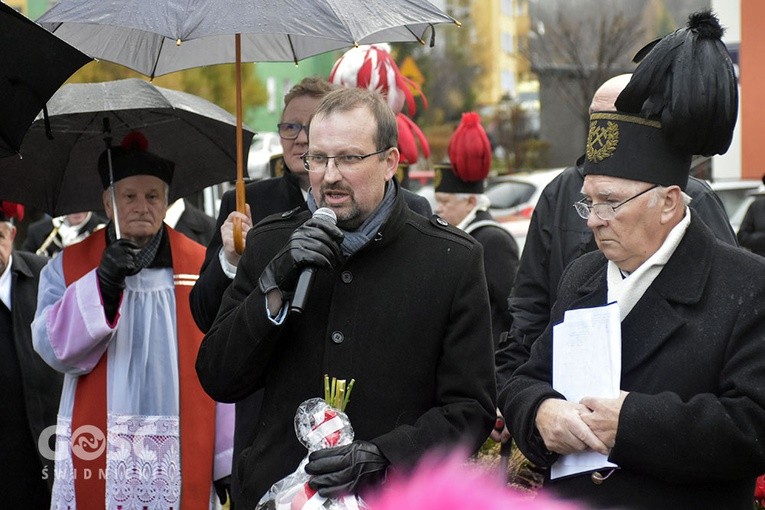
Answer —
508 194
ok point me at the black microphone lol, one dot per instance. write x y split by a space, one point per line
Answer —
305 281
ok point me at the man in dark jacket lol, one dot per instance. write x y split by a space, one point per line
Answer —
48 236
688 428
684 424
29 388
190 221
460 200
424 375
263 198
557 236
751 234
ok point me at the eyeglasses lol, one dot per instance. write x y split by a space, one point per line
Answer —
604 211
291 130
320 162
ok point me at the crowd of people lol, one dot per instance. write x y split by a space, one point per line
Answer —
151 363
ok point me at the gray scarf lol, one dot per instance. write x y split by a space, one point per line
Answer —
147 253
355 239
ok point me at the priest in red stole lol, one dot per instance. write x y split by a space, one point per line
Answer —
135 429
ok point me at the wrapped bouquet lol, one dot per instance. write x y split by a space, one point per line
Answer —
319 423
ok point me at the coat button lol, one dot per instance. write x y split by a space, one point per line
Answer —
442 221
338 337
346 277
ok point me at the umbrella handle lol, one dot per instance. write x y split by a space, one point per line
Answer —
238 236
241 207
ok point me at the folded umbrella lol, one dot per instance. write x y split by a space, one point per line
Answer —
60 176
34 64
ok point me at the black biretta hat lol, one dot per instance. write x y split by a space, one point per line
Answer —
133 158
682 100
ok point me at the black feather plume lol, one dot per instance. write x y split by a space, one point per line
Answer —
687 81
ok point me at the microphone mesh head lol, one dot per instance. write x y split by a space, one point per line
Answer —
325 214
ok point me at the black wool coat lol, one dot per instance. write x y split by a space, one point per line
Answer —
41 384
691 432
265 197
500 260
195 224
407 317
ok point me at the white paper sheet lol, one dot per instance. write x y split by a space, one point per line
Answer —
587 354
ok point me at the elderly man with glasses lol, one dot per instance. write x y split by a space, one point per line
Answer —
398 302
685 425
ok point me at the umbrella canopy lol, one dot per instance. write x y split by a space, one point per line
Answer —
34 64
60 176
156 38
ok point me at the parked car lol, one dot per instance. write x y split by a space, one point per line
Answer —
513 198
264 146
736 197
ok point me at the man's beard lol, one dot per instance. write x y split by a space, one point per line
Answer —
347 219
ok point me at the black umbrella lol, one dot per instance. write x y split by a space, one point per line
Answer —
60 176
34 64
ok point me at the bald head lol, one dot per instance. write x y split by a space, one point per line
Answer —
605 96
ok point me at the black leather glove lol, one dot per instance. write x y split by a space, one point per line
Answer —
223 488
315 243
345 469
119 260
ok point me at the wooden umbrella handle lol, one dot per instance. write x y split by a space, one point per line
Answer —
238 235
240 202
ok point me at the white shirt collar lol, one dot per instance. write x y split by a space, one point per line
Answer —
467 219
174 212
5 284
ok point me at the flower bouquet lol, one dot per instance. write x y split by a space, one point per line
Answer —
319 423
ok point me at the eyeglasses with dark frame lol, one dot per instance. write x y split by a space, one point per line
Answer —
605 212
320 162
291 130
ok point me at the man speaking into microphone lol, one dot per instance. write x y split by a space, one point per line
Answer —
397 302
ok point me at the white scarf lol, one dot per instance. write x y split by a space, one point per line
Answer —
627 291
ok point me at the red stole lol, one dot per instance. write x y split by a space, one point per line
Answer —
197 410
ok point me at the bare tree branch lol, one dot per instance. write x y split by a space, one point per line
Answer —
586 41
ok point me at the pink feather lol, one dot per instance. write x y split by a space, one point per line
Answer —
439 483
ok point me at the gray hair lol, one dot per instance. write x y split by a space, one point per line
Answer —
656 192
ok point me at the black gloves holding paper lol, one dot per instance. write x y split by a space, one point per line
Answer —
344 469
119 260
315 243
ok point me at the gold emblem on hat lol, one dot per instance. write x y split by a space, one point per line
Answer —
437 176
602 141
